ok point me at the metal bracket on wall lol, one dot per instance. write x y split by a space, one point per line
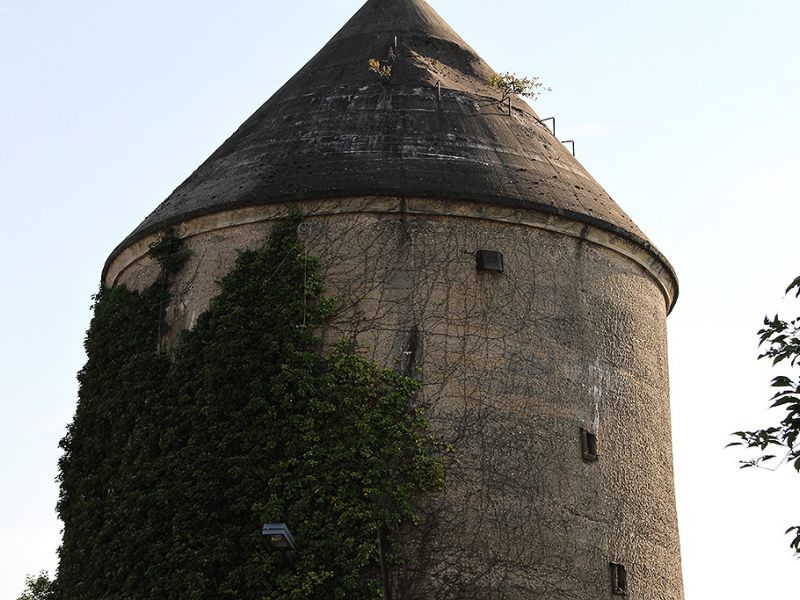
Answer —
572 142
553 119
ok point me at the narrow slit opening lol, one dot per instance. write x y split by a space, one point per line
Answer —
619 578
489 260
589 445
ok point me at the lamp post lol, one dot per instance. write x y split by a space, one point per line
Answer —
281 539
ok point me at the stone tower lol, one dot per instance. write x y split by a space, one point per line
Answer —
465 243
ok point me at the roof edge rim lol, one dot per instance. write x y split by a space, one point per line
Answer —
601 224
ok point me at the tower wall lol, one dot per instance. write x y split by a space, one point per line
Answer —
571 335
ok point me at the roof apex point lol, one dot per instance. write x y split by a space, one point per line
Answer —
398 16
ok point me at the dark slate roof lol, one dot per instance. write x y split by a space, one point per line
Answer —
336 129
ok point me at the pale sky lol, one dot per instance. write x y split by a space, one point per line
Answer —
686 112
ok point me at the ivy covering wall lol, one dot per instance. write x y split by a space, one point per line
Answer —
175 459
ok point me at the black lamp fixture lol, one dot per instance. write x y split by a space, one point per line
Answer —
278 536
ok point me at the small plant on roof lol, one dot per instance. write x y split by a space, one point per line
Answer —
509 84
384 71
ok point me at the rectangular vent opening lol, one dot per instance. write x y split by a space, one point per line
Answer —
589 445
489 260
619 577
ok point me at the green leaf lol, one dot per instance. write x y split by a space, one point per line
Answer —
783 400
782 381
794 285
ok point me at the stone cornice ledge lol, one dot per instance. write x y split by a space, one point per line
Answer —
638 251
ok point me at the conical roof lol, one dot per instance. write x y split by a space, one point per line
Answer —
337 129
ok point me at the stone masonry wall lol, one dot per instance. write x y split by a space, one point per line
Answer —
571 335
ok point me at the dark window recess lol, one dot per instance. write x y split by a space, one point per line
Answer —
619 579
589 445
489 260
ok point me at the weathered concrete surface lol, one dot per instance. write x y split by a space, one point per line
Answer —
572 335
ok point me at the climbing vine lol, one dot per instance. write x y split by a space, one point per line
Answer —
174 460
110 447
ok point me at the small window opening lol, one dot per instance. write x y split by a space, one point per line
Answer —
589 444
489 260
619 579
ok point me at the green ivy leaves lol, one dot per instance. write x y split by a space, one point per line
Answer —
173 462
